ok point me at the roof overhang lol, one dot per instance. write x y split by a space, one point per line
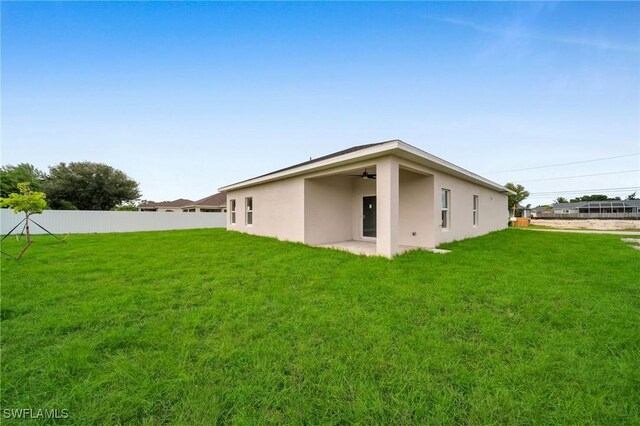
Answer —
395 147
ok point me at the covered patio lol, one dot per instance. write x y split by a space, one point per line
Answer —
370 208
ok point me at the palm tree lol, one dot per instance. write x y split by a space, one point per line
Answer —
561 200
515 199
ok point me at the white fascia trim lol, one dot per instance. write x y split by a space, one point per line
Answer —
372 152
448 167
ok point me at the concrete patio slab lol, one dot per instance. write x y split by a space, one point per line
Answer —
367 248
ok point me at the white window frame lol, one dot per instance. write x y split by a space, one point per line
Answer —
232 208
476 207
248 204
445 196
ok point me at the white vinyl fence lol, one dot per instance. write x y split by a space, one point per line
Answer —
80 221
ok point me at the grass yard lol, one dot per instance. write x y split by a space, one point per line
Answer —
207 326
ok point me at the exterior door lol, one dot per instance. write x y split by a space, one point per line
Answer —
369 216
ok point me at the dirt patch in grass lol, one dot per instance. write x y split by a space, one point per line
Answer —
589 224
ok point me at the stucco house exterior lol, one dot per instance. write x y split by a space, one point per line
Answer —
212 204
164 206
389 195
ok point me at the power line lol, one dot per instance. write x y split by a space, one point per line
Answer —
627 188
565 164
576 194
584 191
579 176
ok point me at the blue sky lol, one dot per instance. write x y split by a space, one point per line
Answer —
188 97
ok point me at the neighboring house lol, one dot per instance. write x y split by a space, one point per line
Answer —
615 209
566 208
523 211
211 204
164 206
390 194
538 210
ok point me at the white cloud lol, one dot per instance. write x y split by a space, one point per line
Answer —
519 33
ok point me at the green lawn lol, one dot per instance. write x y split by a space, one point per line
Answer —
208 326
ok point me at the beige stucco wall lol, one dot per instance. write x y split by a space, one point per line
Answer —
416 214
278 209
492 212
328 209
388 196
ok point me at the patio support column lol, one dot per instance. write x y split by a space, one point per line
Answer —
387 214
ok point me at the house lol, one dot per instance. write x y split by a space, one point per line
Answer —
540 210
211 204
611 209
164 206
566 208
523 211
382 198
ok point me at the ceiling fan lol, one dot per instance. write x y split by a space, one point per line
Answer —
366 175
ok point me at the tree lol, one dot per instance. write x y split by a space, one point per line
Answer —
126 208
561 200
89 186
631 196
594 197
515 199
11 176
27 201
131 207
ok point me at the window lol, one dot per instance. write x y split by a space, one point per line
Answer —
233 211
446 201
249 203
475 210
